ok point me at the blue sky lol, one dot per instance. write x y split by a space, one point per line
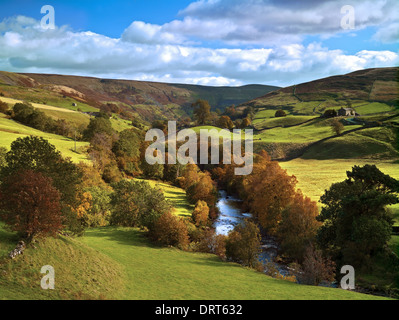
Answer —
110 18
210 42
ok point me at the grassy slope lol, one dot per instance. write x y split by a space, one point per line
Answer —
166 273
120 263
80 272
10 130
176 196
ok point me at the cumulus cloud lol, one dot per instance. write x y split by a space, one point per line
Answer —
266 22
154 54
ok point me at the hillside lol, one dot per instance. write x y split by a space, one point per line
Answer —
147 100
120 263
369 91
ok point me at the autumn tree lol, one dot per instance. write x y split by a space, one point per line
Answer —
212 243
267 191
225 122
99 212
30 204
356 222
100 151
202 111
190 175
201 213
204 189
170 230
246 122
298 226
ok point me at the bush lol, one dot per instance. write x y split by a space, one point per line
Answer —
243 243
3 107
330 113
170 230
315 269
212 243
280 113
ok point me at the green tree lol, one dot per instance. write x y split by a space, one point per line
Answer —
337 127
135 203
243 243
202 111
99 124
356 224
3 152
280 113
127 150
37 154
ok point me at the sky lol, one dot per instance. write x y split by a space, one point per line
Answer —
207 42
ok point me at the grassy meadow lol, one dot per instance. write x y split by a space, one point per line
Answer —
10 130
121 263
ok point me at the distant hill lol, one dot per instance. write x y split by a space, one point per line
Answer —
378 86
148 100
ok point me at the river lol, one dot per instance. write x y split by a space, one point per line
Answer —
231 214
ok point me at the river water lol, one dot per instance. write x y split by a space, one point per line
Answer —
231 214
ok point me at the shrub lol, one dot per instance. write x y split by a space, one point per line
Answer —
243 243
170 230
330 113
337 127
280 113
213 243
315 268
3 107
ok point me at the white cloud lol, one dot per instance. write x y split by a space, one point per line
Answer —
27 48
388 34
268 22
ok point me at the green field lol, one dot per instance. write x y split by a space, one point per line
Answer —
315 176
264 123
120 263
372 108
10 130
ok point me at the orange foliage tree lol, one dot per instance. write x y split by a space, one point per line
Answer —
201 213
298 226
170 230
267 191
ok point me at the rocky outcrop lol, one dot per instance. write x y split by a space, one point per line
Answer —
19 249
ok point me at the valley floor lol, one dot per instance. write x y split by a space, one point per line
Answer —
120 263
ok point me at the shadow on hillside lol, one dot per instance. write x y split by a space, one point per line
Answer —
124 236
